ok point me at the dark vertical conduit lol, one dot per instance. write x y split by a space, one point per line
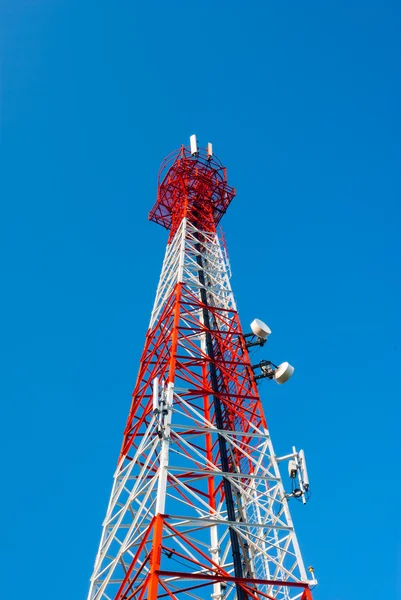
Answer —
220 424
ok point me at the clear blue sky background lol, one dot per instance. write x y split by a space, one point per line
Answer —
302 103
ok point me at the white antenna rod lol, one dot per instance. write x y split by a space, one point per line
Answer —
194 145
156 394
305 478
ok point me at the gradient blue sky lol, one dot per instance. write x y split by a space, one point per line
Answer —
302 103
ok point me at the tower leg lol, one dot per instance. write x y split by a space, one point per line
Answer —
155 559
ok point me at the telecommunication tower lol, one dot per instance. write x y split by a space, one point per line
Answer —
198 508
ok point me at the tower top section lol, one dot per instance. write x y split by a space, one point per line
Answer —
192 183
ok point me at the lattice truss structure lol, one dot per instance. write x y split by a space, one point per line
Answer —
197 509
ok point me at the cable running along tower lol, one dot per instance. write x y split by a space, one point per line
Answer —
198 508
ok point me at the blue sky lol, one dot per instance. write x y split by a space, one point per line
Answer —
302 103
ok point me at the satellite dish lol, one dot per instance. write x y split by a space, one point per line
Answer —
283 372
260 329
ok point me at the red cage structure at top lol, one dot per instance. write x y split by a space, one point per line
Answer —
183 182
198 507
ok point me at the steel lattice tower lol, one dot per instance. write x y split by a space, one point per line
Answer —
198 508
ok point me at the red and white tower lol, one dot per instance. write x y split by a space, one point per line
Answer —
198 508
